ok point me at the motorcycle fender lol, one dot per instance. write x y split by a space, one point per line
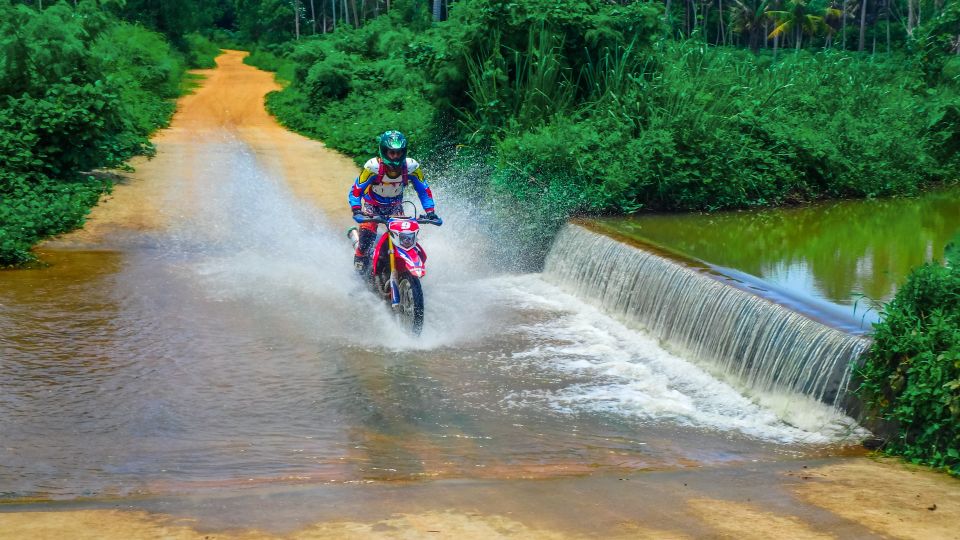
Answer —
412 260
381 246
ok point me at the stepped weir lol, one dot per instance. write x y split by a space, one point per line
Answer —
706 316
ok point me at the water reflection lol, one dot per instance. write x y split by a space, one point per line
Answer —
838 251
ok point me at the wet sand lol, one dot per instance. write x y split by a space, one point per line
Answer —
835 497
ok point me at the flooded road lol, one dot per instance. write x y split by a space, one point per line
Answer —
242 349
202 349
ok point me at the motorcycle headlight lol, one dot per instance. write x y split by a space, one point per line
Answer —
407 239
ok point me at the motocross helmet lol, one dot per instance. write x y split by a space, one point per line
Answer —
393 140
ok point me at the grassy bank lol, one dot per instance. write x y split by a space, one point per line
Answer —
911 377
82 90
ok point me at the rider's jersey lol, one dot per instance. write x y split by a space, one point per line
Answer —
375 188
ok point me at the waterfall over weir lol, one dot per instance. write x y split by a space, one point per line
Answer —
760 345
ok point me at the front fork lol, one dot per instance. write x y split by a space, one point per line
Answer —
394 287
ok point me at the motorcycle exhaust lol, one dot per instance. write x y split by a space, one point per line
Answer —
354 237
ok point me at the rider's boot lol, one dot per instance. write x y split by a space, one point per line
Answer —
361 257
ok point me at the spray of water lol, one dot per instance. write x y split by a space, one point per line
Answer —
246 239
249 241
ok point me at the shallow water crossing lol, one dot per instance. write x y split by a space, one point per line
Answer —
215 340
235 345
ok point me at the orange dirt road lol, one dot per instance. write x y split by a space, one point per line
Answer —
838 497
230 102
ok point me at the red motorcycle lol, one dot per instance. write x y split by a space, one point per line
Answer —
397 264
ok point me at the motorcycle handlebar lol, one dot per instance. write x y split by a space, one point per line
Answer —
362 218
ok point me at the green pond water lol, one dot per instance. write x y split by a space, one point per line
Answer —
852 254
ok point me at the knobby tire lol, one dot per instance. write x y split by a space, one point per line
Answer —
411 304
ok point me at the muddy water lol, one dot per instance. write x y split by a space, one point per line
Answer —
205 331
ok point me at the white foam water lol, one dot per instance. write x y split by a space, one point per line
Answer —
630 373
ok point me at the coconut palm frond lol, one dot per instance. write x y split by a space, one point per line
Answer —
782 29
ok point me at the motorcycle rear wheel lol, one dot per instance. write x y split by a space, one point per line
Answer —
410 311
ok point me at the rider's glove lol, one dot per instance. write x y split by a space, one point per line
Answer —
432 216
358 215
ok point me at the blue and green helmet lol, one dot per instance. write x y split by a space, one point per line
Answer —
393 140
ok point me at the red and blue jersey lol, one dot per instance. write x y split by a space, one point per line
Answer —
376 188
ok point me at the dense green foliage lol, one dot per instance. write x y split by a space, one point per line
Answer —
582 104
80 90
912 372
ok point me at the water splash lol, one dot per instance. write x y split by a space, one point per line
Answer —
248 240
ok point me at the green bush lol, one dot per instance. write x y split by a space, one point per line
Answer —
201 51
79 90
911 374
329 79
270 59
34 207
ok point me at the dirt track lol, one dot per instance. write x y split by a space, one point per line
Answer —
837 497
230 103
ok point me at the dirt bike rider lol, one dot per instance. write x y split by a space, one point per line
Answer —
378 190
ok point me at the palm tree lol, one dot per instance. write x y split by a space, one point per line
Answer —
750 17
798 20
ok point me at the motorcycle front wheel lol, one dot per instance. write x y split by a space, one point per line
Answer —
410 311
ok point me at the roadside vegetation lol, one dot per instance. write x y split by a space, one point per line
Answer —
80 89
911 376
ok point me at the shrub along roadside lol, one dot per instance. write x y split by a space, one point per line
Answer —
81 90
911 374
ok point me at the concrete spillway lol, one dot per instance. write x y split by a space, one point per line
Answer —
764 346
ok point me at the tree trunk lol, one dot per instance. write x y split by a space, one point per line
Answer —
721 35
333 15
911 17
666 16
296 19
863 25
843 26
886 15
313 17
706 17
437 10
356 16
